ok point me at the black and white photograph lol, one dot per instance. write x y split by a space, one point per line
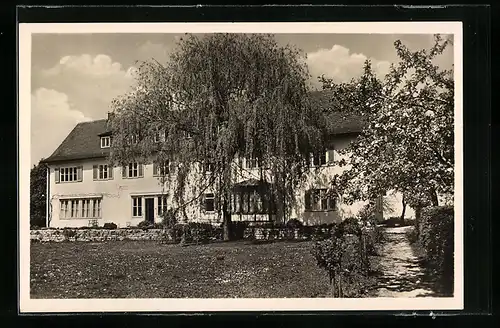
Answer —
232 166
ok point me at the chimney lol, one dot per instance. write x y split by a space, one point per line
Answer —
110 115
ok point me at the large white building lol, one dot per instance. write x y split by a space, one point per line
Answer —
83 189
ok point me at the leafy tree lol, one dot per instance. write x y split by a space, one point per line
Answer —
38 201
408 142
229 95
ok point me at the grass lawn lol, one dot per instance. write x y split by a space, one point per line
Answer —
146 269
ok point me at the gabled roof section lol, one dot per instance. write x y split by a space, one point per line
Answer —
82 142
337 122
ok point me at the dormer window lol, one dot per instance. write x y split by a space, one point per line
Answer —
105 142
159 136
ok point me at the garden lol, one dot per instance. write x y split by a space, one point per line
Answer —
351 259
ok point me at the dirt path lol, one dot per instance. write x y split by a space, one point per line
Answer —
401 272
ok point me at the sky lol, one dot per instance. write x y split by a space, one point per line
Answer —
76 76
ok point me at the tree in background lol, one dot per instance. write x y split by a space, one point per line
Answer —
408 141
228 95
38 189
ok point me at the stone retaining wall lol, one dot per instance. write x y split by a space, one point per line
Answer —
96 235
59 235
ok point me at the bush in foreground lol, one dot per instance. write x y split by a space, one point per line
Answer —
110 226
436 238
344 256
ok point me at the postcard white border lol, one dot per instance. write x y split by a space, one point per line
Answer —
27 305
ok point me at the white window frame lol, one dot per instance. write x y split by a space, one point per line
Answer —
162 205
159 137
323 198
80 208
320 155
105 142
132 170
251 163
103 172
137 204
165 166
208 167
209 196
68 174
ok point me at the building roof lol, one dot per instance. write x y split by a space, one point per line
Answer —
83 142
337 122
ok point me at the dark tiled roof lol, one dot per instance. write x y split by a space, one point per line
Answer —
82 142
337 122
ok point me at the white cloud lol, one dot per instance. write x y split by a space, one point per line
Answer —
52 118
98 66
90 82
338 63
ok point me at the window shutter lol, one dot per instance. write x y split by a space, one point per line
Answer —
331 156
124 172
307 200
202 203
79 173
331 202
95 171
110 172
216 203
56 174
141 170
155 169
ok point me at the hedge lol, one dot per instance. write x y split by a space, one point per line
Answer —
436 237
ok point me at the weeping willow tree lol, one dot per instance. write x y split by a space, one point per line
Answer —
221 97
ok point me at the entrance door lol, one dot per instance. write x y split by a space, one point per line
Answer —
150 210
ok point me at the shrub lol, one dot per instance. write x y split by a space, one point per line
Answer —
110 226
294 224
237 230
349 226
412 235
192 232
436 237
342 256
145 225
69 233
169 218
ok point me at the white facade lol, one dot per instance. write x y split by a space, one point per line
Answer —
128 201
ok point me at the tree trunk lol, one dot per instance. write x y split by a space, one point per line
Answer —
434 198
226 219
404 209
418 211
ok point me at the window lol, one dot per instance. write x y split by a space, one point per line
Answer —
319 159
102 172
80 208
252 163
162 205
209 202
159 136
136 206
69 174
208 167
161 169
319 200
132 170
105 142
187 134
